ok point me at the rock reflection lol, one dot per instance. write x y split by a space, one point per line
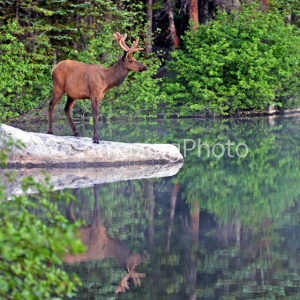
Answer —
100 245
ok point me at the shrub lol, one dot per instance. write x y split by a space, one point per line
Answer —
27 53
31 248
239 61
25 77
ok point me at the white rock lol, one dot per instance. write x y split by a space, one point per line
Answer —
44 150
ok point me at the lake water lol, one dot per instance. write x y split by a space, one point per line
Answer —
227 226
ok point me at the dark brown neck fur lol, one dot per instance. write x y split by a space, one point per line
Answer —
116 74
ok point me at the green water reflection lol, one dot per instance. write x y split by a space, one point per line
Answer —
222 228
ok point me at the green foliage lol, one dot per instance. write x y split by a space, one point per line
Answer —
23 75
236 62
50 31
138 95
5 150
31 249
291 8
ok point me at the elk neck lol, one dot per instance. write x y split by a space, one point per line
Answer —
116 74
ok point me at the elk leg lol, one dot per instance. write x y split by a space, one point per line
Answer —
68 112
57 94
69 212
96 211
95 112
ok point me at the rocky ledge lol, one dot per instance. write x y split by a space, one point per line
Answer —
44 150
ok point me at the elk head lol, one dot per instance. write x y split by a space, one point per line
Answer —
129 62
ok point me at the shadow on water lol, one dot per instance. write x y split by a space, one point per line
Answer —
227 226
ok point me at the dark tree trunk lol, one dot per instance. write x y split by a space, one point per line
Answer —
204 14
17 9
149 12
174 37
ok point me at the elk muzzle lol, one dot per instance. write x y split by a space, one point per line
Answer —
143 69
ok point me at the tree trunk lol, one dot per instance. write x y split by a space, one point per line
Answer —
195 217
172 214
195 222
169 9
194 13
237 4
151 198
17 9
149 12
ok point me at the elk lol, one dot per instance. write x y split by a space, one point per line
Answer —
86 81
100 245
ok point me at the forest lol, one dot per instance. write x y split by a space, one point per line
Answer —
203 57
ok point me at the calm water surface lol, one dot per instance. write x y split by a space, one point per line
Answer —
227 226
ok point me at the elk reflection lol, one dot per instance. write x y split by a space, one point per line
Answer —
99 245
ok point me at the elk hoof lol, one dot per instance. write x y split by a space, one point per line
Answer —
50 132
76 134
97 140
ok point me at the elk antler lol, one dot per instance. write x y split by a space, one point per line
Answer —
123 285
134 47
121 40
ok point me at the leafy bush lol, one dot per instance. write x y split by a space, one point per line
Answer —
291 7
241 61
24 76
31 249
27 53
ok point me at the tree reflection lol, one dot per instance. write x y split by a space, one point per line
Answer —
222 228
